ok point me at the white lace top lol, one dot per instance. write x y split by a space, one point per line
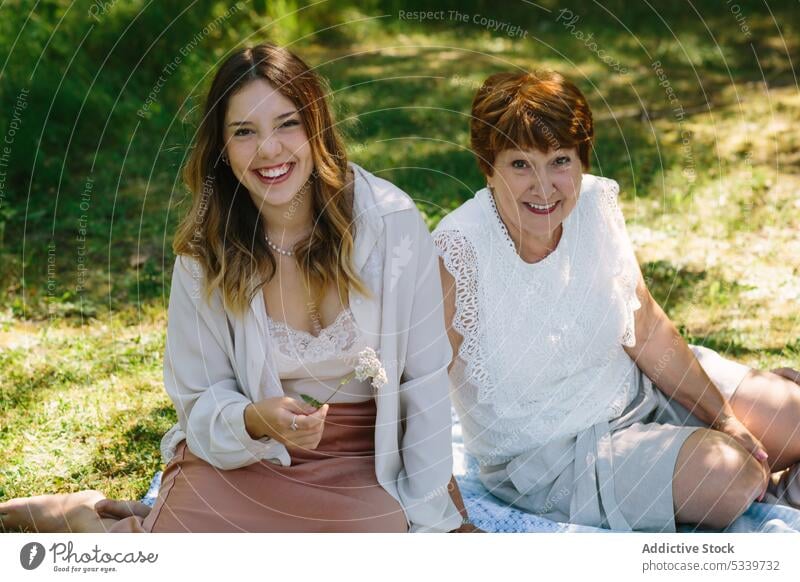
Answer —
315 365
542 353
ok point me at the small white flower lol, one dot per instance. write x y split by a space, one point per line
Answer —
369 366
379 379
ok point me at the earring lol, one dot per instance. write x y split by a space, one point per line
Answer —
225 159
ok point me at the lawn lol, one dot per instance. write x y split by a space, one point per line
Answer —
695 119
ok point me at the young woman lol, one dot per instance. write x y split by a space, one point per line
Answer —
558 343
292 264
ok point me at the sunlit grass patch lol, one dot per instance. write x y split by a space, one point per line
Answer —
83 411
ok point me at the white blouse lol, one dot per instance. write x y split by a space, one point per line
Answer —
542 355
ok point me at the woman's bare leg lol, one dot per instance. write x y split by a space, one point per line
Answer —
715 480
768 404
65 513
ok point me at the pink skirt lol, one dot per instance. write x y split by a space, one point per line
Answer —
330 489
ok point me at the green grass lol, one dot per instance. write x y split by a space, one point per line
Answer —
81 398
83 407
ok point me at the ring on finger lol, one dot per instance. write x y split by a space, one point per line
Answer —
294 423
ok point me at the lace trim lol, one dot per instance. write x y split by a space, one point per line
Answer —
334 342
627 267
340 338
461 262
499 221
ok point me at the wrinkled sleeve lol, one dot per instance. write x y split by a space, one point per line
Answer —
200 380
424 399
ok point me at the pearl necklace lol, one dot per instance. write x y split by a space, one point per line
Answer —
278 249
271 244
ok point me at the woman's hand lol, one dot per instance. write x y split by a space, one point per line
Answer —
467 528
274 417
734 428
121 509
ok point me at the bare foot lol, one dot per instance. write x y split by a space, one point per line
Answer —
784 487
65 513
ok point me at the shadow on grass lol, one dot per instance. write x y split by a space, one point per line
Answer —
728 346
672 286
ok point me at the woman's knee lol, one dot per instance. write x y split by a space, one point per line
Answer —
742 473
718 479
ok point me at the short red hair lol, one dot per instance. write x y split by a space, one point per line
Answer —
540 110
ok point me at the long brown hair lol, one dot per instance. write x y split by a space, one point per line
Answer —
222 228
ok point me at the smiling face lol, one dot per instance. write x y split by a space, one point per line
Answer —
532 136
266 144
535 192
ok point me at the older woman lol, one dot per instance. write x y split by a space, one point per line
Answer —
577 395
285 280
